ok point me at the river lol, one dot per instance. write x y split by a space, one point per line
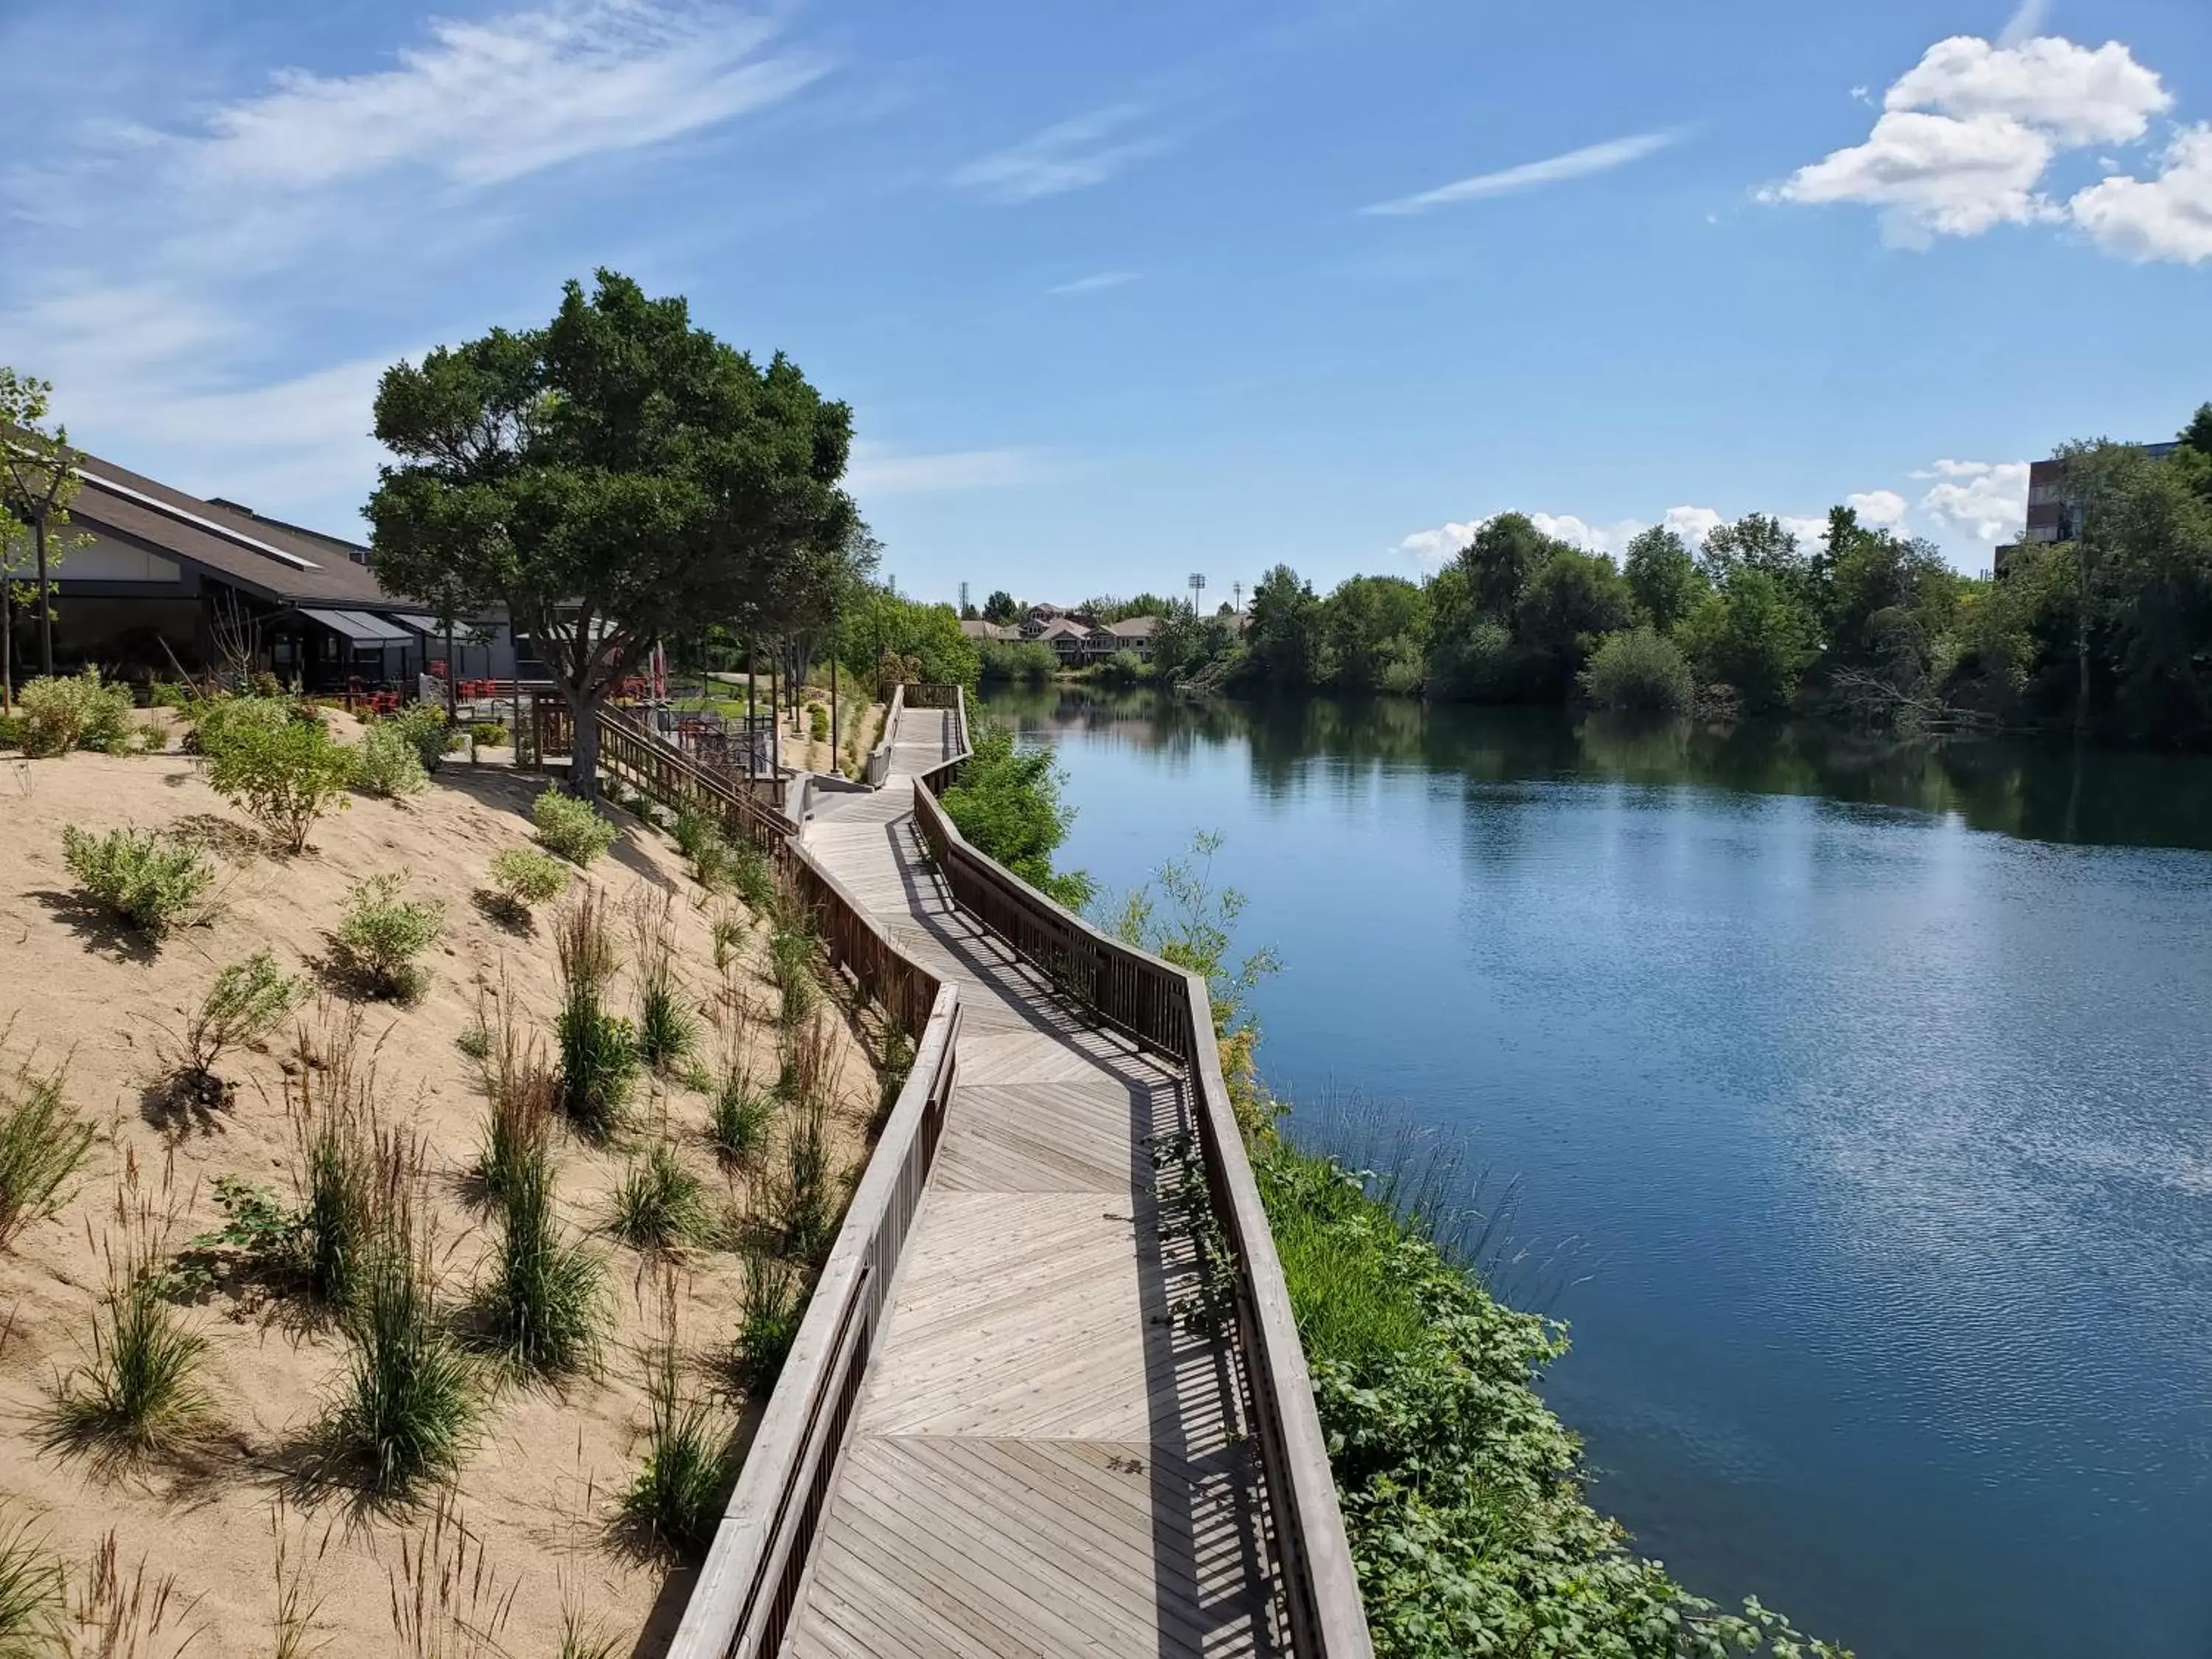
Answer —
1854 1095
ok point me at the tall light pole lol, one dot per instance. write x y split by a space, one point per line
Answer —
1197 590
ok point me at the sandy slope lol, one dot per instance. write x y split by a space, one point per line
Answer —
539 1491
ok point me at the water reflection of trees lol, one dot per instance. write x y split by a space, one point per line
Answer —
2037 791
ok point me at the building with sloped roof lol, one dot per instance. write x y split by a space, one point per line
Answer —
151 573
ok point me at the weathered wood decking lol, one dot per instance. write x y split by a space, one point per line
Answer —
1044 1458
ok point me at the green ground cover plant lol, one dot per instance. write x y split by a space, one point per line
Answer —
571 827
153 881
380 935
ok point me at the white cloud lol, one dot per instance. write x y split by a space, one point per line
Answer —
2078 95
484 102
1594 538
1967 135
1877 507
1805 529
1932 174
1533 175
2166 217
1692 524
1071 155
2026 23
1442 545
1986 499
877 469
1096 283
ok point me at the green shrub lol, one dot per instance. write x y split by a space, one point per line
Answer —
1007 804
285 772
78 712
818 722
658 1204
767 1320
1029 662
691 1459
1640 669
424 727
11 731
1461 1491
169 694
243 1006
386 763
153 882
525 877
42 1141
381 934
570 828
544 1304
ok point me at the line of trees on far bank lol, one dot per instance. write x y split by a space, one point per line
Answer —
2109 635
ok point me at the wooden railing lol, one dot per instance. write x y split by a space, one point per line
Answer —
749 1588
644 760
941 777
1168 1011
879 759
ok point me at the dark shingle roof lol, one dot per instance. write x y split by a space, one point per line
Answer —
267 557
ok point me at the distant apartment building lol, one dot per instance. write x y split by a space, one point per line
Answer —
2050 516
1073 636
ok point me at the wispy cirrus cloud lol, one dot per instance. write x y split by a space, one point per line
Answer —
190 341
879 470
1071 155
1583 163
479 103
1096 283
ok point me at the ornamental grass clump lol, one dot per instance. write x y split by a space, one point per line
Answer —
791 953
154 882
769 1315
691 1456
544 1306
388 764
522 1094
140 1391
43 1142
667 1029
571 827
381 934
80 711
31 1596
407 1401
658 1204
801 1198
599 1050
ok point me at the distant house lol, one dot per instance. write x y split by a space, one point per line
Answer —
155 572
990 632
1069 639
1133 634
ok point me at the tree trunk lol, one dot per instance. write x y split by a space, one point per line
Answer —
584 745
7 642
2081 640
46 610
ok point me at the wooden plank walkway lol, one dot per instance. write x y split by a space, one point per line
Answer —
1043 1460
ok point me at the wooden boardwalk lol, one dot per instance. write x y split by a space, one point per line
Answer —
1044 1458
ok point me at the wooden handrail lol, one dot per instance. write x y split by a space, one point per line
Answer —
748 1589
879 759
1168 1010
633 751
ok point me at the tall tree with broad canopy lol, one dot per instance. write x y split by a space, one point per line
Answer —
616 477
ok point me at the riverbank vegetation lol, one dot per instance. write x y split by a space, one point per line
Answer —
1463 1494
2108 635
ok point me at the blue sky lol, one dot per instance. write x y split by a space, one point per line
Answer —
1119 293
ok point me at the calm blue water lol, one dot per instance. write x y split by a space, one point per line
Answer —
1871 1087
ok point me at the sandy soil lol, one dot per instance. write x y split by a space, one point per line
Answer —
538 1493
